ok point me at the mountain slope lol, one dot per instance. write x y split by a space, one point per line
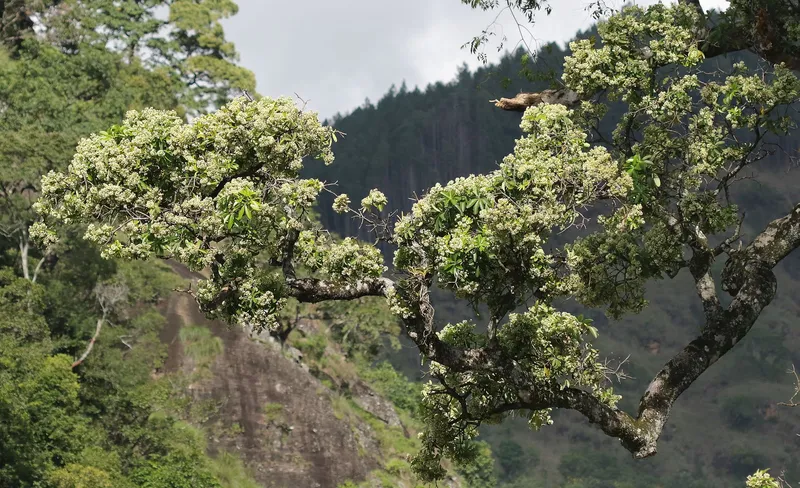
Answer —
286 429
295 418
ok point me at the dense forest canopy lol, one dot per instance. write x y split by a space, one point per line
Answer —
642 127
74 415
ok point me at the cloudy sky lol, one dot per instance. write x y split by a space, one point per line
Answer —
335 54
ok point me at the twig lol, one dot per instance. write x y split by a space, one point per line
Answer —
792 402
91 342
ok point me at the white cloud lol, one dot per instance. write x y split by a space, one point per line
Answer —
336 54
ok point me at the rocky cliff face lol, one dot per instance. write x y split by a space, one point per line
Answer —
266 407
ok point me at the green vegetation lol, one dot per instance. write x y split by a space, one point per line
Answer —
756 368
201 347
109 419
273 411
645 128
106 422
661 180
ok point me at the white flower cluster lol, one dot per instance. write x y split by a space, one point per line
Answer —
636 43
482 236
344 261
397 306
226 184
341 203
762 479
376 199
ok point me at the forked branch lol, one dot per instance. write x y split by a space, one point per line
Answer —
748 274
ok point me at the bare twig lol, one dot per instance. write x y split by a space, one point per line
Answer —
792 402
109 295
616 371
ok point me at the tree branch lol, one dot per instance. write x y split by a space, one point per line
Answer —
45 258
109 295
779 238
419 324
24 247
755 287
725 246
749 274
522 101
312 290
792 402
700 268
89 346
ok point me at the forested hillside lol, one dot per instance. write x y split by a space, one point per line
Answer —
109 376
726 426
264 347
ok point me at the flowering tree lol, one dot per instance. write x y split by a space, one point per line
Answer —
224 193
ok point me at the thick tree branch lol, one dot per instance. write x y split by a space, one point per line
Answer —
312 290
779 238
755 286
419 324
524 100
613 421
749 275
700 268
717 338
